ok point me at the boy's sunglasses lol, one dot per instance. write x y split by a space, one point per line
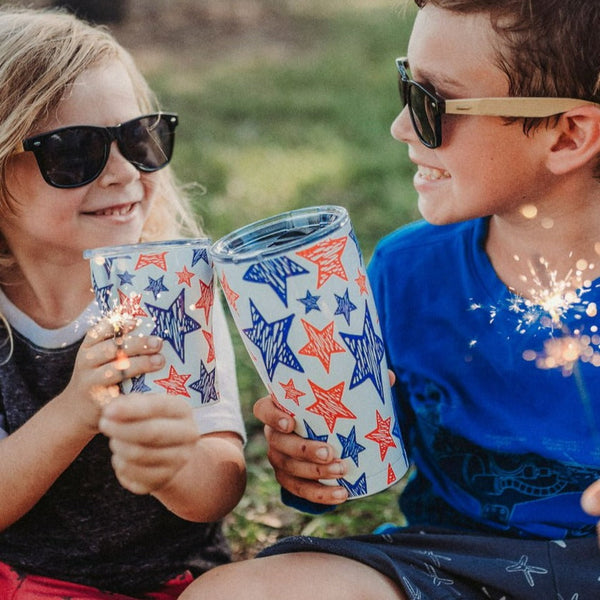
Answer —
426 108
71 157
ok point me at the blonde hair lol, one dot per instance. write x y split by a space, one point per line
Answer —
42 52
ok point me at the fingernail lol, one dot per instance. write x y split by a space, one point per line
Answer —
154 342
156 360
322 453
340 494
283 424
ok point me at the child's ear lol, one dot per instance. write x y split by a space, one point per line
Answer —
576 140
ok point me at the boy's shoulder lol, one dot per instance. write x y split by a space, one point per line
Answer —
423 236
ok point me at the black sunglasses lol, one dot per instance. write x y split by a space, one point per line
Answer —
426 108
71 157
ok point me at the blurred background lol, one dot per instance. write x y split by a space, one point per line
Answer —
282 104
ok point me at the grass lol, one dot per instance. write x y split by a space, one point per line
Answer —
292 111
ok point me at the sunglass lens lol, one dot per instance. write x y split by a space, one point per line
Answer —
423 115
72 156
148 142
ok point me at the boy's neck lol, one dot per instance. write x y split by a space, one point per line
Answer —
528 253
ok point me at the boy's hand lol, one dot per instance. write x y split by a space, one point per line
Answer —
103 361
299 463
590 502
152 436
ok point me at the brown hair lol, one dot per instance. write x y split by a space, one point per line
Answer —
549 47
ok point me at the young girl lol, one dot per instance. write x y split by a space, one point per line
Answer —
126 496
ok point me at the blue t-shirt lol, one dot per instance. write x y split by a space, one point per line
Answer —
499 442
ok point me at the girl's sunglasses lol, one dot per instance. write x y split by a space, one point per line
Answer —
71 157
426 108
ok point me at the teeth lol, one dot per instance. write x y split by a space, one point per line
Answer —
432 174
118 211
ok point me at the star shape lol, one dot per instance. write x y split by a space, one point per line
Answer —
211 346
350 447
391 475
158 260
138 384
368 351
184 276
311 435
173 324
358 488
329 404
271 340
206 300
125 278
174 383
200 254
344 306
310 302
102 296
205 385
327 255
156 286
130 304
361 282
275 272
230 295
292 392
321 344
381 435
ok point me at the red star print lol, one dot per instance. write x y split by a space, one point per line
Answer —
211 347
130 305
361 282
174 383
381 435
206 300
327 256
158 260
329 404
280 406
231 296
292 392
391 476
185 276
321 344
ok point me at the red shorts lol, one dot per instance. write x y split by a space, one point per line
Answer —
17 586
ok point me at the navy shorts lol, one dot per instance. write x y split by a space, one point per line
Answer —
445 565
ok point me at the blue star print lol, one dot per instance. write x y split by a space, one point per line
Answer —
350 447
102 296
368 351
311 435
274 272
205 386
156 286
345 306
173 324
310 302
271 340
200 254
358 488
126 278
138 384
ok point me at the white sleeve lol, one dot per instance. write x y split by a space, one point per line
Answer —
226 414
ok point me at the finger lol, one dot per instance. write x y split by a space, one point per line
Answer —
146 457
285 464
106 328
140 480
267 412
313 491
297 447
590 501
138 406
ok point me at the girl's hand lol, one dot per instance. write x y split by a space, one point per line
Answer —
152 437
103 361
299 463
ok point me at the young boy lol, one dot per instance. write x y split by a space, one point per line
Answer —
489 314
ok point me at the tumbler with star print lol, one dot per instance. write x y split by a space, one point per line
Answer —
167 288
297 288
